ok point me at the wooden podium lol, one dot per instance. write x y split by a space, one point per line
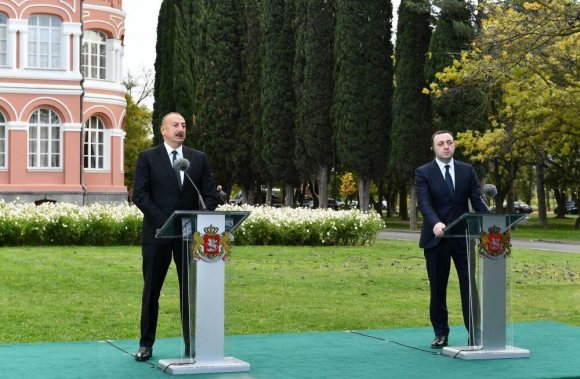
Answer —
488 247
206 239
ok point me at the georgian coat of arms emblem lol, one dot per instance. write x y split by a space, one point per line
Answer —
211 247
494 244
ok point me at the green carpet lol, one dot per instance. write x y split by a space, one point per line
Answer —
386 353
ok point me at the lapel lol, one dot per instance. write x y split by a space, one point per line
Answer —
165 163
439 182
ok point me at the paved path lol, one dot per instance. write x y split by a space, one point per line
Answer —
556 246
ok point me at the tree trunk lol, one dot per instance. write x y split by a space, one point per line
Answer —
560 197
364 190
289 195
322 178
414 218
269 195
403 212
541 193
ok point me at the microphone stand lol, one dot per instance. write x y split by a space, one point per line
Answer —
203 207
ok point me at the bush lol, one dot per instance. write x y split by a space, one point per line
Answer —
120 224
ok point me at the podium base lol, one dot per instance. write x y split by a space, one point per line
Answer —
187 366
477 352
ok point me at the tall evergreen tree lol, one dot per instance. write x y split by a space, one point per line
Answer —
277 100
363 89
218 84
411 108
314 86
173 91
459 108
247 160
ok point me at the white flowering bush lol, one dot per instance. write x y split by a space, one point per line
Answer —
120 224
300 226
69 224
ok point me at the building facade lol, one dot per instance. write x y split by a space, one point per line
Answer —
62 101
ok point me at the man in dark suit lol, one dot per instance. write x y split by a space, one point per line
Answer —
444 187
158 190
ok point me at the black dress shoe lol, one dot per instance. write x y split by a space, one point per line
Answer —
439 342
144 353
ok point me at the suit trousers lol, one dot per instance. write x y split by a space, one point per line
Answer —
438 261
156 261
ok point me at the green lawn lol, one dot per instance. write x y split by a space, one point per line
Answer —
93 293
558 229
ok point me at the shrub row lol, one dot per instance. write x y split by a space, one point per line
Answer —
110 224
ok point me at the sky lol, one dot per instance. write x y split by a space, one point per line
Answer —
141 34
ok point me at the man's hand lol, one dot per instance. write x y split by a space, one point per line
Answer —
438 229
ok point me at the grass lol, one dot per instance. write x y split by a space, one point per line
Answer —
558 229
93 293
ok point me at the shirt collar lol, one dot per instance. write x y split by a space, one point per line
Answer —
442 165
170 149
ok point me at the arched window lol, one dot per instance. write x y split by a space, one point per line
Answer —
94 148
2 140
3 39
94 56
44 35
44 139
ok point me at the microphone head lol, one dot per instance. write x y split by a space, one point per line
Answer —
490 190
181 164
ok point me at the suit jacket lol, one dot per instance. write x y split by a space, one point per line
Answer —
437 204
156 189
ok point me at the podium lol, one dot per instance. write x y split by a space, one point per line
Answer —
487 272
207 237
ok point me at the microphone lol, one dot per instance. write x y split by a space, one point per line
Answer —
183 164
489 191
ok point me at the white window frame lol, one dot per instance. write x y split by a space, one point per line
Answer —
44 140
45 42
94 55
3 141
3 40
94 147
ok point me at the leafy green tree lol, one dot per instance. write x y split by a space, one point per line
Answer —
363 72
525 60
411 107
218 85
137 137
313 64
173 91
277 101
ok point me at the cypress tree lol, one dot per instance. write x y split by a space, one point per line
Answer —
459 108
173 91
218 115
363 89
314 86
411 108
277 100
247 160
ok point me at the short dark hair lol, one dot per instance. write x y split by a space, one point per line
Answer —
441 132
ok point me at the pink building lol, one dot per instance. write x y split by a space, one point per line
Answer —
62 100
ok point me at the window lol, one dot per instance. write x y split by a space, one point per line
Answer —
94 146
94 56
2 141
44 139
3 40
44 32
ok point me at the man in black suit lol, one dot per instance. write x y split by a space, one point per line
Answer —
158 190
444 187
